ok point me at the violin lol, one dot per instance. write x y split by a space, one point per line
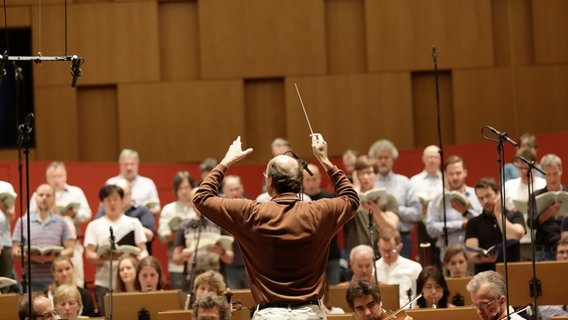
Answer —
399 314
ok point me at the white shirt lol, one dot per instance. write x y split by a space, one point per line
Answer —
143 190
63 197
515 189
170 210
425 184
403 272
4 221
98 233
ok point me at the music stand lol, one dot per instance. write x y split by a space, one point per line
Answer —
462 313
458 286
9 306
130 303
553 280
390 296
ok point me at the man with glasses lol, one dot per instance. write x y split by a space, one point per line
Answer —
42 309
487 291
392 268
364 298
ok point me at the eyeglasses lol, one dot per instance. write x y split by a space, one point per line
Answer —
48 315
483 305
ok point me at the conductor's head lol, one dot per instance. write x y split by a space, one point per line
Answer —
283 174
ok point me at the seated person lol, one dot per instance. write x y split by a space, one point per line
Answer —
456 260
361 263
487 291
364 299
211 306
432 285
209 282
149 275
126 275
67 302
41 307
64 273
547 312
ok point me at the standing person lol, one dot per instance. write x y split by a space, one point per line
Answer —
73 206
312 187
486 230
349 158
131 209
235 273
7 214
183 208
457 213
46 229
283 241
487 291
426 185
144 192
409 207
548 222
126 230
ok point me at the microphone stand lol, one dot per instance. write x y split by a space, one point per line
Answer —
501 168
373 245
112 248
24 131
435 60
200 224
534 283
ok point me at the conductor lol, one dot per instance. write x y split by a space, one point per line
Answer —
284 242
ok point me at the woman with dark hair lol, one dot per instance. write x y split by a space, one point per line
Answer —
432 285
149 275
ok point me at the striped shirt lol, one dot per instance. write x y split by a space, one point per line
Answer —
51 233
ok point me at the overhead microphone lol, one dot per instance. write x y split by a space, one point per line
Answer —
76 71
502 135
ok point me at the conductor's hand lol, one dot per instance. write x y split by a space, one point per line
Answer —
319 146
235 153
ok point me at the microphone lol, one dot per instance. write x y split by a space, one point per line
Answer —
530 164
304 163
76 71
3 66
27 126
112 245
502 135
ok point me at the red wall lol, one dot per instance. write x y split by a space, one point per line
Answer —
480 158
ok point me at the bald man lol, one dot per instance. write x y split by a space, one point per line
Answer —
282 241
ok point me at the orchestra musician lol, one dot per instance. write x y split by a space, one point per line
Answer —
364 299
487 291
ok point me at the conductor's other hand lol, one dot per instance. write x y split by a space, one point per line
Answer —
319 146
235 153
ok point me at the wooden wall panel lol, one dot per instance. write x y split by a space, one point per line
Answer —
550 25
179 42
351 111
265 112
424 109
258 38
182 121
542 99
98 123
18 17
483 97
512 32
345 35
119 42
400 34
55 124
